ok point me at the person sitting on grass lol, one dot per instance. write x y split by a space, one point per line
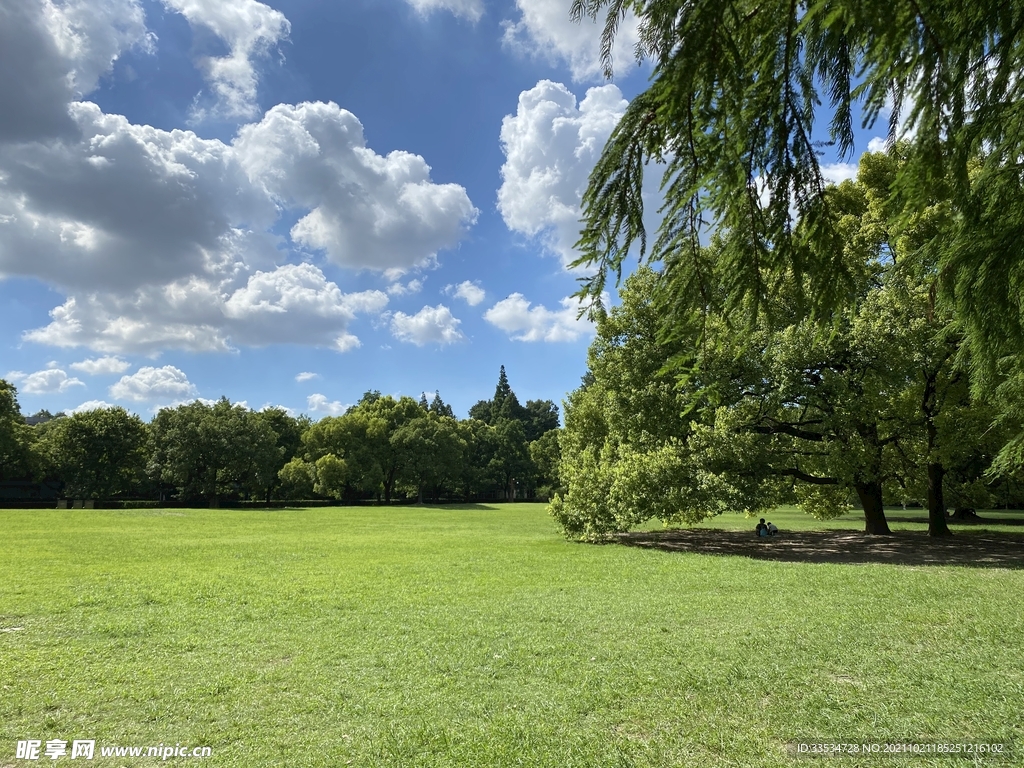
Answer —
761 529
772 529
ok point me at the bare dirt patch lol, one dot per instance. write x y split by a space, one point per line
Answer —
975 549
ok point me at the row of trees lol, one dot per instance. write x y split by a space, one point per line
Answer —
721 415
380 448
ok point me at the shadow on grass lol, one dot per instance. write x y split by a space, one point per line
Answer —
976 520
975 550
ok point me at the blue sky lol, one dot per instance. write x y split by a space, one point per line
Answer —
290 203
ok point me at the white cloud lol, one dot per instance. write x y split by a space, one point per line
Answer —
164 239
837 173
366 211
467 9
36 93
431 325
250 30
149 383
522 322
546 30
48 381
469 291
91 405
128 206
268 407
146 321
297 301
550 147
877 144
320 404
413 286
306 376
92 34
102 366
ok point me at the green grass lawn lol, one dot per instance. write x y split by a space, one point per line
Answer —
479 637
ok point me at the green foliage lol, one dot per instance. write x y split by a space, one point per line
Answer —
537 416
296 479
17 459
440 407
719 416
329 476
511 458
205 451
431 451
200 452
545 455
98 454
541 416
731 110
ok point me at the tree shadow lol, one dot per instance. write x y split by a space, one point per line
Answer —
974 549
974 520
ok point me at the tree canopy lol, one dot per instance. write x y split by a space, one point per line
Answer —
732 109
754 415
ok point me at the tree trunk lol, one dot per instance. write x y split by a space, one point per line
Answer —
870 495
419 495
936 502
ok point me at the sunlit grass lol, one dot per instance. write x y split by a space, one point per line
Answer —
479 637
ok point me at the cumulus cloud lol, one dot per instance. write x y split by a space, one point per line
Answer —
91 405
837 173
366 210
551 144
34 99
250 30
149 383
102 366
92 34
320 404
545 30
297 299
306 376
398 289
47 381
294 303
467 9
128 205
467 290
431 325
522 322
164 239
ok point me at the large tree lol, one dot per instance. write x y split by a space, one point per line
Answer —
773 409
206 451
432 451
363 438
98 454
735 98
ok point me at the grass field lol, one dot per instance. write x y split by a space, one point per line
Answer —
476 636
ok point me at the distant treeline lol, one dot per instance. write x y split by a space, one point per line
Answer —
382 449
